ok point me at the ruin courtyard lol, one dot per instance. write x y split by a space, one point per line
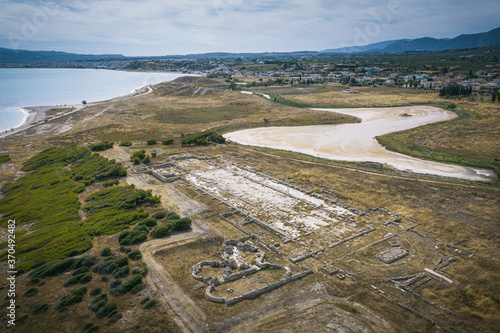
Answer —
279 242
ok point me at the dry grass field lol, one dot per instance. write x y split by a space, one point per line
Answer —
460 218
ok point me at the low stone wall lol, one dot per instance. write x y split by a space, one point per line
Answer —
306 256
352 237
256 292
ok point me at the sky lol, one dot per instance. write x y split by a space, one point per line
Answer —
170 27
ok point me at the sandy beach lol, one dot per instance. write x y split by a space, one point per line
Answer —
357 143
37 114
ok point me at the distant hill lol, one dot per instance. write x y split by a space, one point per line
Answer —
23 56
489 38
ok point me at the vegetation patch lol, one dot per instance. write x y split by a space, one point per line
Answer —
110 183
149 304
30 292
110 266
105 145
148 222
111 210
126 143
119 288
76 296
170 225
137 235
56 267
167 142
49 196
135 255
140 157
202 138
95 167
4 158
40 308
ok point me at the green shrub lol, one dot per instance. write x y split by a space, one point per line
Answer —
99 298
143 270
150 304
52 268
181 224
149 222
127 285
135 255
76 296
172 216
33 281
141 154
125 249
111 183
4 158
101 146
81 270
110 266
137 235
144 300
167 142
121 272
21 318
137 289
95 291
40 308
114 318
151 142
73 280
203 138
106 252
92 329
87 326
30 292
126 143
162 231
159 215
106 309
85 278
137 160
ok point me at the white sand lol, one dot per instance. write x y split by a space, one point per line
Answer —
356 142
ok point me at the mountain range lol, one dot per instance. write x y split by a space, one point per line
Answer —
489 38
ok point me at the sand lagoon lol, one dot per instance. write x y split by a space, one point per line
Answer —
356 142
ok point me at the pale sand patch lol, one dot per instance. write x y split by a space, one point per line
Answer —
356 142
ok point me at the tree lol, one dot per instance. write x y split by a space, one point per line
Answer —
232 86
493 97
84 102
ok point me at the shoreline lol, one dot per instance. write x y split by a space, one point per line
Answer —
36 114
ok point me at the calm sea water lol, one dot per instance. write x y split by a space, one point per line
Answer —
23 87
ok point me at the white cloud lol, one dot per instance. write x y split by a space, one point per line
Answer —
194 26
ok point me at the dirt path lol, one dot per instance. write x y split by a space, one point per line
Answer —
179 306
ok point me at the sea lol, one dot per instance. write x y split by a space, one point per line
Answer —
25 87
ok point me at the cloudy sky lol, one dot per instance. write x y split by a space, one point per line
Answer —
160 27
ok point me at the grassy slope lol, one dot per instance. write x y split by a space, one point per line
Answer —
49 196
